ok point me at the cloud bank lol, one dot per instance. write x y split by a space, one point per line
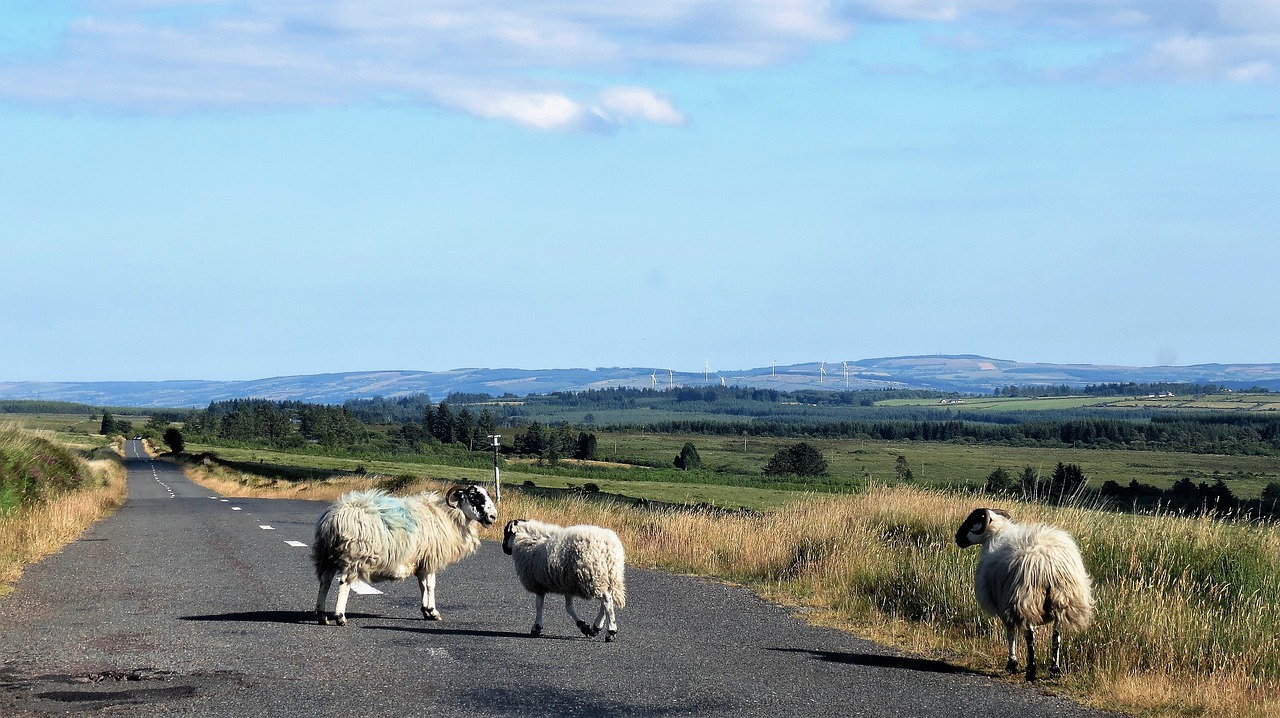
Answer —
571 64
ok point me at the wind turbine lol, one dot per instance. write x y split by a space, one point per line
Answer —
822 372
655 378
773 370
671 377
721 380
706 370
846 374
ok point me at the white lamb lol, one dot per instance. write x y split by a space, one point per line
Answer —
372 536
1028 576
577 561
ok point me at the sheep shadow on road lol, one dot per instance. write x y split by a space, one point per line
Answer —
902 663
271 617
471 632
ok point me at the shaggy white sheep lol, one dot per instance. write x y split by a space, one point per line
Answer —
1028 575
577 561
372 536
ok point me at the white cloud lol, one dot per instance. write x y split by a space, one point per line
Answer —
544 111
625 103
565 65
1202 40
490 58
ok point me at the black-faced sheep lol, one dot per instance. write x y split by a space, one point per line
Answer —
372 536
1028 576
586 562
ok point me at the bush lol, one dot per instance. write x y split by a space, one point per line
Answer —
174 439
798 460
688 458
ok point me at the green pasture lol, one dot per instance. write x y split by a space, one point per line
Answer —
731 473
996 403
71 423
1215 402
283 465
857 462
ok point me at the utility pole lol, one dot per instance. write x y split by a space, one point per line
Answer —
497 477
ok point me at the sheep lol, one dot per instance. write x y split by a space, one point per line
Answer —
583 561
372 536
1028 576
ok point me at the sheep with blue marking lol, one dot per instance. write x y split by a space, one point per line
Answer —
372 536
582 561
1028 575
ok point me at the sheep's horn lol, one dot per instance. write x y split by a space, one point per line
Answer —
454 490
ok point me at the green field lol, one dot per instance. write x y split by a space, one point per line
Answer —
1216 402
731 473
945 464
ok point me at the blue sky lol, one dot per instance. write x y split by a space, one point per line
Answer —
235 189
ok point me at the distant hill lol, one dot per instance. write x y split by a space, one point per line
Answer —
958 373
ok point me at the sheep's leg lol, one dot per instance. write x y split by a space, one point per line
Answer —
1031 653
607 613
1055 657
428 585
583 626
340 608
326 580
537 619
1011 637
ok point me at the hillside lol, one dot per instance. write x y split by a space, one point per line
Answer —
958 373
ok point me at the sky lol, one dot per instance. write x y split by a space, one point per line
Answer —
239 189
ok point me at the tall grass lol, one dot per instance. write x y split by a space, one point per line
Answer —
1187 624
48 495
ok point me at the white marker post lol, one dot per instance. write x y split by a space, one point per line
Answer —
497 476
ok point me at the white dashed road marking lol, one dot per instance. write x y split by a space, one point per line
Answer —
264 527
364 589
296 544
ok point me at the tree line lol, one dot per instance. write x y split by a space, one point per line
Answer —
1211 433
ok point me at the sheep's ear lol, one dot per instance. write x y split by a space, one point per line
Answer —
1003 513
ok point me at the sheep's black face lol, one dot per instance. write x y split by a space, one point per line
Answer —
474 501
509 533
972 527
975 527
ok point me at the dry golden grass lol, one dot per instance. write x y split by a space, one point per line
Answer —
1187 621
33 531
228 482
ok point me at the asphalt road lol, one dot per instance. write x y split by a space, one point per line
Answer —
187 603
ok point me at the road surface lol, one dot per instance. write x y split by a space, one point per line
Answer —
188 603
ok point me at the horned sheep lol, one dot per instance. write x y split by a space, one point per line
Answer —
372 536
582 561
1028 575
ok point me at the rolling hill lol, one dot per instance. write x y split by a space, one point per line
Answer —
958 373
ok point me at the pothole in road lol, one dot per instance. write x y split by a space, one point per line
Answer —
40 694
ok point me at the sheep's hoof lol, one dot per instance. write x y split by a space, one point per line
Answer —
431 615
1011 666
535 631
1031 675
1055 673
340 619
610 636
587 629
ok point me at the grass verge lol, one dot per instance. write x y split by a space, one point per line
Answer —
54 494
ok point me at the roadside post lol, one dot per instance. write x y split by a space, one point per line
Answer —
497 478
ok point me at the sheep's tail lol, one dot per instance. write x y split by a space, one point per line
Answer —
1071 604
1055 586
